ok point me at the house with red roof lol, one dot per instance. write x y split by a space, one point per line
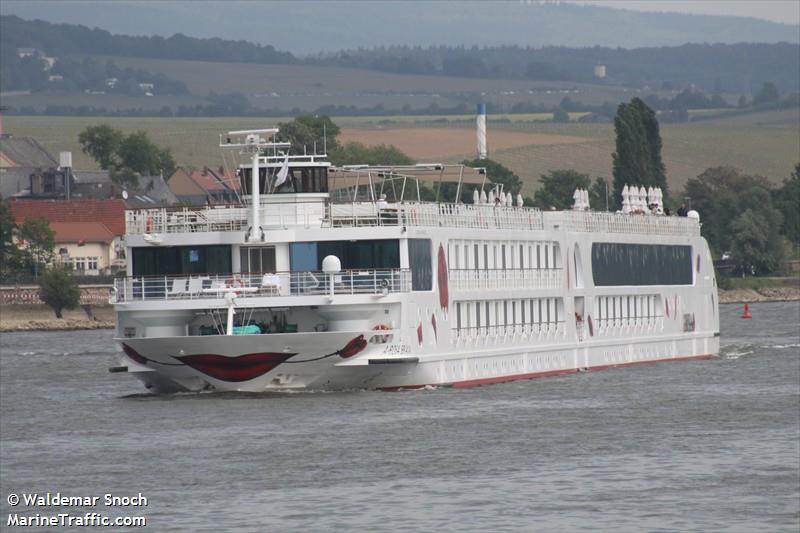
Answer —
89 247
88 232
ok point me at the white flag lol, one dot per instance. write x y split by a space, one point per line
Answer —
283 173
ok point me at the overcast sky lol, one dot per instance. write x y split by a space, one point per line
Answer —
786 11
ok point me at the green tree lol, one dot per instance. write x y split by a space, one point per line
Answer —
304 131
10 255
756 247
58 289
355 153
787 201
715 195
557 188
497 173
559 115
102 143
39 241
126 157
768 94
137 153
637 159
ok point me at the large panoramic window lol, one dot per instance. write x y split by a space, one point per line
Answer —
161 261
419 257
303 256
641 264
257 259
354 255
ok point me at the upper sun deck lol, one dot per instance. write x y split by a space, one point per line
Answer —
286 191
317 211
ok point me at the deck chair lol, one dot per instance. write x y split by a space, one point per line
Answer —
195 285
178 287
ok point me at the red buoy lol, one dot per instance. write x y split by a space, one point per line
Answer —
746 313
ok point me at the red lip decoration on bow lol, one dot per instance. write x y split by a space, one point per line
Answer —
235 369
353 347
133 354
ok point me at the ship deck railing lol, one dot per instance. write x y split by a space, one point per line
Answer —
641 224
259 285
426 214
432 214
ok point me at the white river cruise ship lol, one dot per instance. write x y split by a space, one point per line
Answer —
331 278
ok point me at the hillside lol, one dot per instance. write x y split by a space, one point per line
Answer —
308 87
320 26
86 59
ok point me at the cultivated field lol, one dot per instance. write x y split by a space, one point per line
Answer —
425 143
286 87
336 81
761 143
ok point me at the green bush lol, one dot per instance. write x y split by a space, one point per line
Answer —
58 290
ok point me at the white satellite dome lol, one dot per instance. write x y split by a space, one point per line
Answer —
331 264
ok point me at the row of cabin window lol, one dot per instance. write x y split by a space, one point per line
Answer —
615 308
508 313
493 256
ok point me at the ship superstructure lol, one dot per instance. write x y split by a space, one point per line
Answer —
332 278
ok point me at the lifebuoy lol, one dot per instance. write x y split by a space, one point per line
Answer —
380 339
148 225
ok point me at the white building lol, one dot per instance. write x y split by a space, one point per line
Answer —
600 71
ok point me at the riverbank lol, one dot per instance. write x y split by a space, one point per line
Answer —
770 294
41 318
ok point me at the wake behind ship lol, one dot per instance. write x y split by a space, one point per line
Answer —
331 278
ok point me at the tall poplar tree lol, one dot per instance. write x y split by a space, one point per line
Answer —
637 159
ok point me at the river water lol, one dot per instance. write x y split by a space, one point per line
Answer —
693 446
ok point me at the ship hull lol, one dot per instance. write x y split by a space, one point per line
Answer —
323 361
